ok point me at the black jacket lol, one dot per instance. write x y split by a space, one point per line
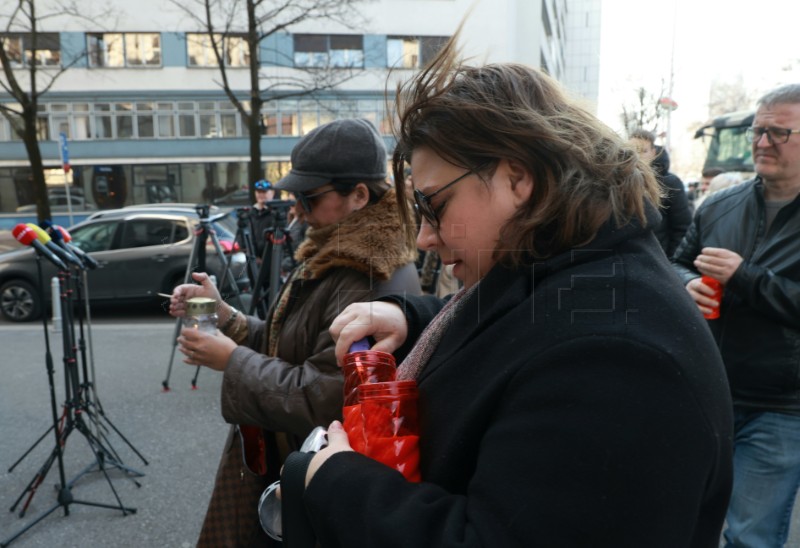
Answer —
577 402
676 214
758 331
261 220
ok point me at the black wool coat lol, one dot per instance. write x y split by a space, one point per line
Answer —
580 401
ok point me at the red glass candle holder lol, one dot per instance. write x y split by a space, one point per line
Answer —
391 425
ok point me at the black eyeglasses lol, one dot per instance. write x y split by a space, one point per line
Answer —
423 202
262 185
305 199
775 135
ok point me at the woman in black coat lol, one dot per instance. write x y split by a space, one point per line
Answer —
571 394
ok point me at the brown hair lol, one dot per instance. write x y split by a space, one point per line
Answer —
583 173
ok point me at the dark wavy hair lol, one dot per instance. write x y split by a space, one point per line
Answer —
584 174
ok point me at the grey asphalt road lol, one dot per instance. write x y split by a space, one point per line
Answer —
180 433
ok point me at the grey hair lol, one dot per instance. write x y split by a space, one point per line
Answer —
789 93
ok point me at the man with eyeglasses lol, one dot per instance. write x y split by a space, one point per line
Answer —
748 238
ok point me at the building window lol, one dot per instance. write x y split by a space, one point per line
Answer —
411 52
189 119
144 120
124 50
328 50
235 51
186 121
19 49
143 49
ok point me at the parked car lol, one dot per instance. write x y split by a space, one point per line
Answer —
141 251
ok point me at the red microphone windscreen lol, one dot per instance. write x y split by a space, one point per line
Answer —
64 234
24 234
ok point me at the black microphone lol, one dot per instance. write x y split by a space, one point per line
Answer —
44 238
26 236
66 238
58 239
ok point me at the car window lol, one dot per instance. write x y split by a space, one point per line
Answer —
95 236
181 232
146 232
223 231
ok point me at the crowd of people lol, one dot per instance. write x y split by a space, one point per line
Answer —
571 392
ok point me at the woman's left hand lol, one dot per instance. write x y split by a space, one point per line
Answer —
212 350
337 443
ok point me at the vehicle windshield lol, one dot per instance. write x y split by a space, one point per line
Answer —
729 150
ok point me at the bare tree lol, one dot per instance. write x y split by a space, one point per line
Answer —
254 21
730 96
26 79
646 111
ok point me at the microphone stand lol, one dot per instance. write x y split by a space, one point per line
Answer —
74 409
91 402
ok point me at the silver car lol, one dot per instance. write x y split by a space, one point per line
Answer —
140 250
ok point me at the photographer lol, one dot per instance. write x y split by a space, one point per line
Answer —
261 215
280 375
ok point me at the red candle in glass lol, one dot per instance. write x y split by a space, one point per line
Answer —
391 425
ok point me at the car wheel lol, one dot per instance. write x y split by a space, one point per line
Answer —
20 301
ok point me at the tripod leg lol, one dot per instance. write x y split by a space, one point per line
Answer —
31 448
25 529
115 429
227 275
194 379
186 279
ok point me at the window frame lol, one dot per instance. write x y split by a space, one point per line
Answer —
113 50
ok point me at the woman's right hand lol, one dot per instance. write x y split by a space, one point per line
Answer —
383 321
177 302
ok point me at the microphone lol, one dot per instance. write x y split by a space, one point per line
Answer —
58 239
65 238
45 239
26 236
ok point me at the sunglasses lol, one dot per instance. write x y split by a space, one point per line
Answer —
423 203
306 199
262 185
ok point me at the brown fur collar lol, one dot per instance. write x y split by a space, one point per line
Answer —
370 240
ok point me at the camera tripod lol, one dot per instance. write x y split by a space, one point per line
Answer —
197 263
81 411
278 242
244 237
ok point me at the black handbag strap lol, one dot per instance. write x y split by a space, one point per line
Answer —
297 530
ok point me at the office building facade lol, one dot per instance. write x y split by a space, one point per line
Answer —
146 119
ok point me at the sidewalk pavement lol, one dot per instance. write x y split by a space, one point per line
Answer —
180 433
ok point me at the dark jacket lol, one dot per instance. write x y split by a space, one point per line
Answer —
758 331
676 214
260 221
300 387
578 402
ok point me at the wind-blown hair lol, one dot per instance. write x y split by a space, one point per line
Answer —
583 173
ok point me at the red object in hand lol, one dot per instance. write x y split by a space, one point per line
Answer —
365 366
391 426
714 284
